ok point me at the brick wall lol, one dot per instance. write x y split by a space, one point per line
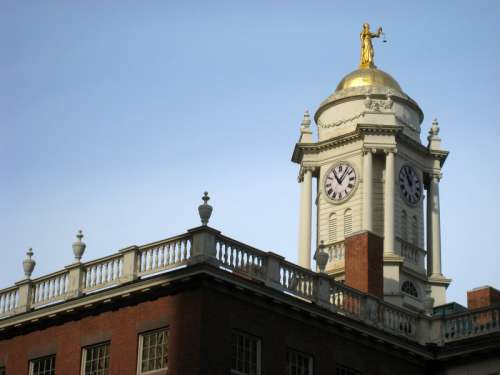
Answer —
482 297
201 317
364 268
182 313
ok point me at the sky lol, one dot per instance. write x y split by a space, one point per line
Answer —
115 116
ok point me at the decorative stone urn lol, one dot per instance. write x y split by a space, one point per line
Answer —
321 257
205 210
29 264
79 247
428 301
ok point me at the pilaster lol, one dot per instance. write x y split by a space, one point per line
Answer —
130 263
389 199
368 189
305 218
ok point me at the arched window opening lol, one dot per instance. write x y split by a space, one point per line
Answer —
347 222
409 288
404 225
414 230
332 228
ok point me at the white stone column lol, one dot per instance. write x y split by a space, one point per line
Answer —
429 230
435 226
389 203
305 219
368 190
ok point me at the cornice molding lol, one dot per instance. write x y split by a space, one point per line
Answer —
361 129
360 93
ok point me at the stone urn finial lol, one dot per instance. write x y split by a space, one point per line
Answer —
205 210
29 264
79 247
306 121
321 257
428 301
434 130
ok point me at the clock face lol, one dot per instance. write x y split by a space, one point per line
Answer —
410 184
340 182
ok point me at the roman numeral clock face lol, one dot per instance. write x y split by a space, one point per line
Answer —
340 182
410 185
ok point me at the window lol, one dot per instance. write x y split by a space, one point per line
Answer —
409 288
2 370
153 351
414 230
246 354
43 366
347 222
404 226
298 363
95 359
332 228
342 370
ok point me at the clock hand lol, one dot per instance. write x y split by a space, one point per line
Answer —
336 177
409 180
343 176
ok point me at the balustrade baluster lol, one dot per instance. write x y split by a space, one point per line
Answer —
162 256
250 263
155 260
117 267
185 248
93 271
179 252
171 253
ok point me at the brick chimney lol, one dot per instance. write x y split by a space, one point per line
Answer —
364 268
483 296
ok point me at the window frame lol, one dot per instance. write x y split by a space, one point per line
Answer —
32 363
84 354
346 370
258 366
140 347
303 354
411 285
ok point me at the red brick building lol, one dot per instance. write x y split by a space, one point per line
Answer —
202 303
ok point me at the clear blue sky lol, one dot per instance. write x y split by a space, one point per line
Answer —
115 116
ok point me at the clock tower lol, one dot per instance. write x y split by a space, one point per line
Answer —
374 176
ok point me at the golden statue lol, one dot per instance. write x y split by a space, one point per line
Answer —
367 47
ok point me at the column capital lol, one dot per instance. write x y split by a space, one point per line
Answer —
367 150
303 170
392 150
436 177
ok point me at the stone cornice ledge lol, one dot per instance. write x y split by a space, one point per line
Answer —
361 129
240 281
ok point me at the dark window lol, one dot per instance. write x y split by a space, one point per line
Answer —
95 359
409 288
298 363
43 366
153 351
246 354
342 370
2 370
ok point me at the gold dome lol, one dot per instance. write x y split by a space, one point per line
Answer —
368 77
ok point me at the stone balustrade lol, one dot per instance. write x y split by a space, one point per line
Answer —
471 323
412 253
207 245
49 289
335 251
9 301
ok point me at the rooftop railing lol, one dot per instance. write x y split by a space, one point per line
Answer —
207 245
